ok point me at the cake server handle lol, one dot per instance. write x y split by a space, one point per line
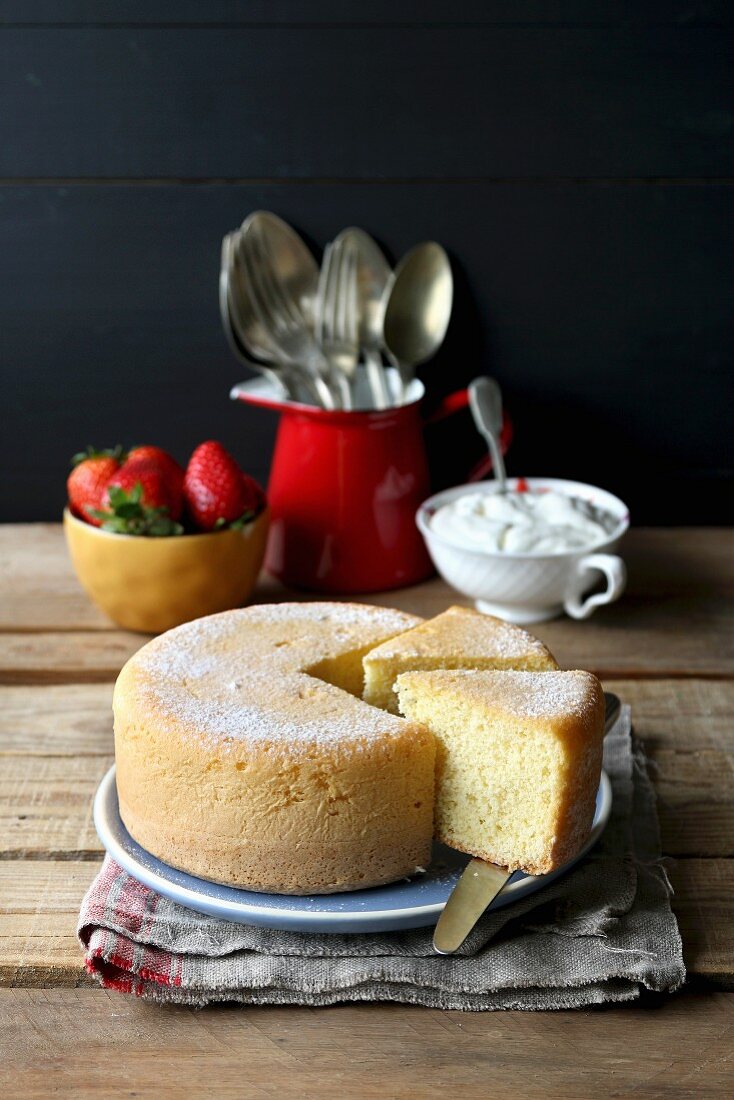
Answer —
481 882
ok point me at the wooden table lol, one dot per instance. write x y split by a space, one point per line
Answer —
666 648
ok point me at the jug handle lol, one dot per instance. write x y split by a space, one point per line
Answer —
455 402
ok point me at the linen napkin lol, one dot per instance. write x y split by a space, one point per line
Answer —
603 932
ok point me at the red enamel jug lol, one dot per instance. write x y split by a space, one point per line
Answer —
344 489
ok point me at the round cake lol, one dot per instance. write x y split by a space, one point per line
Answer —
245 755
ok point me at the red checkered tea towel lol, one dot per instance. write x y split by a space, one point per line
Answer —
603 932
118 913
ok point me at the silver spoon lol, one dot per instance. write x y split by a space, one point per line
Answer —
279 376
373 275
417 308
286 276
485 402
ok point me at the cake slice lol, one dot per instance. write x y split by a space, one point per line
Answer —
518 760
458 638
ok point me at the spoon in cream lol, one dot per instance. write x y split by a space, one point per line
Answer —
485 402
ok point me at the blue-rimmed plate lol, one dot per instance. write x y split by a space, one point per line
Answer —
411 903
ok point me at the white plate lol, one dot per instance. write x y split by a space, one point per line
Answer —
411 903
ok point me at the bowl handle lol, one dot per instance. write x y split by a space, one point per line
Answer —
613 569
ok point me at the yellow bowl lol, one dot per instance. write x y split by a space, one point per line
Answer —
152 584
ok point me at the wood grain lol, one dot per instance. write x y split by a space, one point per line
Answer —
55 744
92 1043
40 906
676 619
38 585
684 725
76 657
46 806
46 797
704 905
56 719
686 729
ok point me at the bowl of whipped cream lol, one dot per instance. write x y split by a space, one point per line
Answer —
528 554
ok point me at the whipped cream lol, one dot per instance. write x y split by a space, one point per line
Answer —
539 521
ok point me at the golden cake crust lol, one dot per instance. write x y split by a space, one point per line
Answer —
457 638
243 758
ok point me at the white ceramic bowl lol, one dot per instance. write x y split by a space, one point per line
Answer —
530 588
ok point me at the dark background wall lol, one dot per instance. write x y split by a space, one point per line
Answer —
576 160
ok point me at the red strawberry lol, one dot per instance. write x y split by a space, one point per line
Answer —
154 490
255 495
215 489
88 480
137 501
155 455
172 473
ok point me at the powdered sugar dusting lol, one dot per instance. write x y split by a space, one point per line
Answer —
238 675
464 631
364 616
522 694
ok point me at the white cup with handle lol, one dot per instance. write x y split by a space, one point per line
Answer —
532 587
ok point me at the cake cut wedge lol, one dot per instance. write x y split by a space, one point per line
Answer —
518 760
457 638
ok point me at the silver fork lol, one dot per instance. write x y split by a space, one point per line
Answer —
338 317
283 320
280 375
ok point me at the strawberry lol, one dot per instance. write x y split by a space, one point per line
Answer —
254 494
216 491
88 480
156 455
153 482
171 471
138 501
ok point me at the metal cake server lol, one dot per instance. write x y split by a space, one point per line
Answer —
481 882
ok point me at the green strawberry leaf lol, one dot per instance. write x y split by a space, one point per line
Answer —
163 527
117 452
236 524
244 519
129 516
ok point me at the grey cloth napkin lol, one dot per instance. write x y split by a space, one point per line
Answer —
603 932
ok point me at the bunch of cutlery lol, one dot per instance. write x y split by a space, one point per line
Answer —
347 335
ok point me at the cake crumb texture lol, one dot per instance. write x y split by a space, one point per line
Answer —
518 760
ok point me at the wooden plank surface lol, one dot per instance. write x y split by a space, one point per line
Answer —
676 618
59 658
57 720
56 742
703 902
40 906
93 1043
686 728
46 806
50 771
38 585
